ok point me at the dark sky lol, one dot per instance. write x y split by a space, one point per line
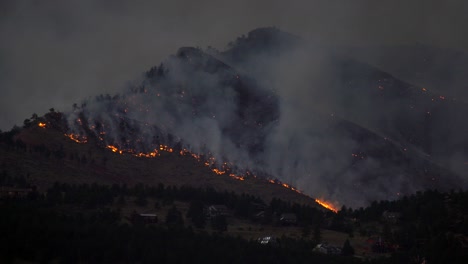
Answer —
54 53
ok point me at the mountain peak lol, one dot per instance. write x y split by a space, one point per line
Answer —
267 40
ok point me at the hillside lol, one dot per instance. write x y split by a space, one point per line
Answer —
46 155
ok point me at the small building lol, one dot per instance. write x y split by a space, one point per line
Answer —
258 206
217 210
144 218
288 219
259 216
267 240
327 249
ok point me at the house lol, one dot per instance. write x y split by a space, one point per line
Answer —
268 240
259 216
149 218
327 249
258 206
217 210
146 218
288 219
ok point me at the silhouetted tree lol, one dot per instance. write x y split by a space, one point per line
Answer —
317 234
196 213
347 250
174 218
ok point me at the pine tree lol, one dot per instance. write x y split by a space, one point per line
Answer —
347 250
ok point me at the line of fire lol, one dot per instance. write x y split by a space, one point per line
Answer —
225 169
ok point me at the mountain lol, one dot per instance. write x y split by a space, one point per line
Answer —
279 108
442 70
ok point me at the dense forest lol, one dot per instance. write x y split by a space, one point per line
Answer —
83 223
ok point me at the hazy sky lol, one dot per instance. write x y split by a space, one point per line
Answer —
54 53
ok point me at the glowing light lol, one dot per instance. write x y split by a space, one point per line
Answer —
215 170
327 205
114 149
77 138
240 178
43 125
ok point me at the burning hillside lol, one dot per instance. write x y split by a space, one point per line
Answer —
249 119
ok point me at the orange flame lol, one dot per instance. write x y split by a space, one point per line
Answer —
77 138
225 167
217 171
114 149
327 205
43 125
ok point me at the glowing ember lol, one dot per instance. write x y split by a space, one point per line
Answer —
209 162
327 205
114 149
215 170
77 138
240 178
43 125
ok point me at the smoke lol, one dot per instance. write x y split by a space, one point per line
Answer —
53 53
279 107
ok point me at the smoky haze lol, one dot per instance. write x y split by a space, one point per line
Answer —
53 53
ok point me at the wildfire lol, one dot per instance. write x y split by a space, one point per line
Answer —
240 178
165 148
219 172
43 125
114 149
327 205
77 138
151 154
209 162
